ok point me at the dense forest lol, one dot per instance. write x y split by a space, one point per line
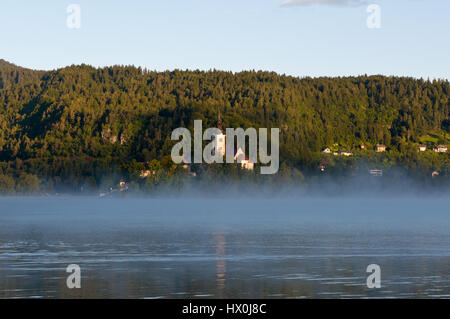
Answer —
82 128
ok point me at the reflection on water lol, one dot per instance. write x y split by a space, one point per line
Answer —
221 264
135 248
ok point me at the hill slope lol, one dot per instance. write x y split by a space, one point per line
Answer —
82 110
76 127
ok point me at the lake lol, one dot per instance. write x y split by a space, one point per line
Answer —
224 248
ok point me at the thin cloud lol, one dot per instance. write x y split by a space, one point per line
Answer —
349 3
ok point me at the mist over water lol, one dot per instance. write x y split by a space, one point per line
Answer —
394 182
224 247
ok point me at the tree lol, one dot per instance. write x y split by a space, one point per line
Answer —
7 184
27 183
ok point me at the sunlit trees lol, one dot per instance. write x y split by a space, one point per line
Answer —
83 115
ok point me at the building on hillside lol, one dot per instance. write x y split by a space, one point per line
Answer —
246 164
219 139
145 174
240 157
326 150
362 146
123 186
422 148
345 153
440 149
379 148
220 147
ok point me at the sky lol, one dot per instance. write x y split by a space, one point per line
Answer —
294 37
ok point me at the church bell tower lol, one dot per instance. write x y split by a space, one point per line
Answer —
220 138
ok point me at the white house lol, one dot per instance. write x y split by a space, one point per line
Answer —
345 153
246 164
422 148
379 148
326 150
440 149
240 157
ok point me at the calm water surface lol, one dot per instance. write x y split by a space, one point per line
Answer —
211 248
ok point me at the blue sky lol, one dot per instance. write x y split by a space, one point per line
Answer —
327 39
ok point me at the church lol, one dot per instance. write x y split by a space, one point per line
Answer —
220 147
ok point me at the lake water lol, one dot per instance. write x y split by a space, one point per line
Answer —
219 248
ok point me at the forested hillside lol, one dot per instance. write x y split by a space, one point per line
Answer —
81 115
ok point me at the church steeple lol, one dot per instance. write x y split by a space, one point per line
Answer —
219 139
219 120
